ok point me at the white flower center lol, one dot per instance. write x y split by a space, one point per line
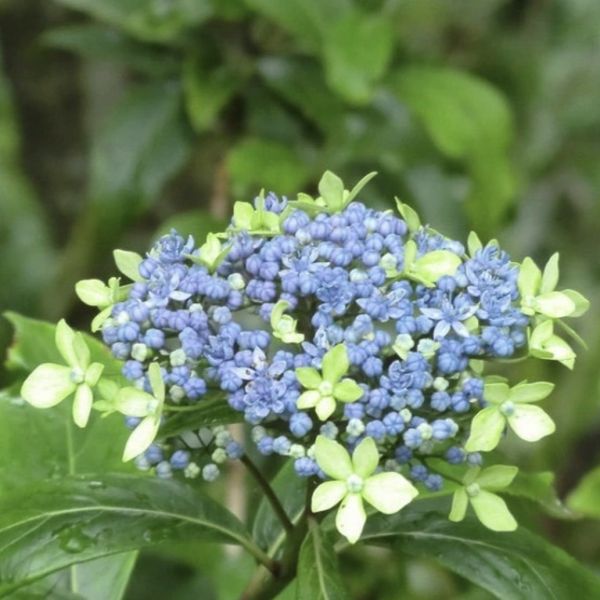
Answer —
354 484
507 408
325 389
473 490
77 376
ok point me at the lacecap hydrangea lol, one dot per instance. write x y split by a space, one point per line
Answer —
356 342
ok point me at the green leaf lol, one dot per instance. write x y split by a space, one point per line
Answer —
103 43
585 498
468 120
260 163
308 20
356 53
319 577
291 491
473 243
511 566
210 412
539 488
410 215
144 20
34 344
207 89
50 525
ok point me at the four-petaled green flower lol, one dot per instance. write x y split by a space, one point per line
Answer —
538 294
134 402
49 384
354 481
510 406
478 490
284 326
325 389
211 254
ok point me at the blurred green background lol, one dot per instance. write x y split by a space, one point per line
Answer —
122 118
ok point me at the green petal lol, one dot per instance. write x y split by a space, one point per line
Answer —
277 312
327 495
156 381
492 511
486 430
325 408
335 364
93 373
100 318
497 477
436 264
365 458
496 392
388 492
460 501
351 517
582 304
530 278
133 402
308 399
82 405
129 264
82 352
141 438
48 385
555 305
333 458
347 390
331 188
531 423
550 276
531 392
65 342
93 292
308 377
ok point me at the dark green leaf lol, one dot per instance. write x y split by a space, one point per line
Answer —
291 491
308 20
468 120
104 43
210 413
53 524
539 488
141 146
207 90
319 577
585 498
357 50
512 566
259 163
33 344
148 21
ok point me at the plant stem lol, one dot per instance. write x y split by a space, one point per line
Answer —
267 563
269 493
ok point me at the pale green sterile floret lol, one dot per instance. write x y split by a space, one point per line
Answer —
355 427
478 491
257 221
429 267
403 344
425 430
134 402
440 384
513 407
140 352
406 414
328 387
219 456
236 281
178 358
192 471
50 383
297 451
284 326
353 481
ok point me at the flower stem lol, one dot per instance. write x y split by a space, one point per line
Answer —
269 493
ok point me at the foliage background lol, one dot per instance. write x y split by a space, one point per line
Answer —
120 119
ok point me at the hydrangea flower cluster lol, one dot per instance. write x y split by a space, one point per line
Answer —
322 324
